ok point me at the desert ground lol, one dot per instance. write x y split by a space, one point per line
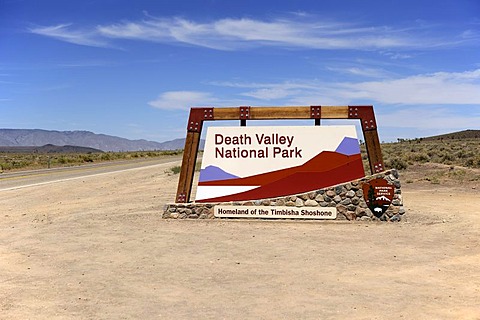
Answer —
97 248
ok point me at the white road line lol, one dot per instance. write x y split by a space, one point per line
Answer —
87 176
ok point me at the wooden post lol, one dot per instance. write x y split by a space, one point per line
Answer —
369 127
188 167
374 151
190 151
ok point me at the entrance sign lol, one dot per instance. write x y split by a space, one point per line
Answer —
198 115
275 212
250 163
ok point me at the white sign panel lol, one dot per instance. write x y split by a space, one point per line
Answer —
248 163
274 212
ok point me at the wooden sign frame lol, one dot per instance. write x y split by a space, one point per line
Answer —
198 115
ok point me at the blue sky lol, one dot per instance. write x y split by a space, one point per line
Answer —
134 68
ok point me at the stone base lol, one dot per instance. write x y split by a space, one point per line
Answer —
347 198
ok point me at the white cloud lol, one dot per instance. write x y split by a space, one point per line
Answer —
237 33
63 32
269 93
276 91
470 34
415 106
229 34
182 100
87 63
412 106
429 119
396 55
435 88
445 88
360 71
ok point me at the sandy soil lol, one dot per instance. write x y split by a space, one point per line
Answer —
96 248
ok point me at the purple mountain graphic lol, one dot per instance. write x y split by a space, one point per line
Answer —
213 173
348 146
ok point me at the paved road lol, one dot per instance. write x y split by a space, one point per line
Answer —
25 179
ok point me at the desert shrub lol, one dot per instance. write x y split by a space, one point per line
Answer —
447 158
153 153
396 163
107 156
457 173
433 180
67 159
86 158
171 152
5 166
175 169
19 163
473 162
61 160
462 154
419 157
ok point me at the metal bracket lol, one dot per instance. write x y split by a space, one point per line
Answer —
196 118
315 112
244 112
378 167
365 114
181 198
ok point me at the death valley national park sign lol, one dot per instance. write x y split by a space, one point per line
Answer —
250 163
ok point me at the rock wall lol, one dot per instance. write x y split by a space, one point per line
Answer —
348 198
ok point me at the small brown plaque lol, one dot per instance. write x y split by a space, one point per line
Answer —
378 194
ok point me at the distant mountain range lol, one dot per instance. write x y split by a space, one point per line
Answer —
87 139
48 148
38 138
460 135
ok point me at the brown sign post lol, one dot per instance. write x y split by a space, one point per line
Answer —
200 114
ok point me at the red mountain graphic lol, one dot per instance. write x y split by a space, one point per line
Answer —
326 169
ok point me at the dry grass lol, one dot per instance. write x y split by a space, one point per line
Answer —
439 162
406 153
400 155
23 161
